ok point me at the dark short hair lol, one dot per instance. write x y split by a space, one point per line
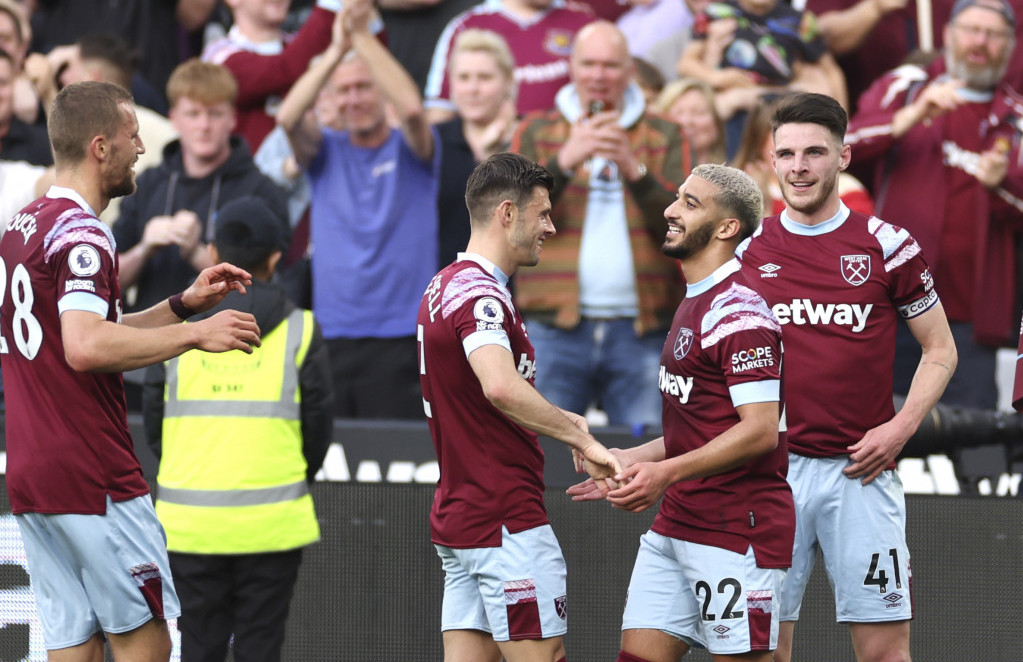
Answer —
812 108
81 112
112 49
504 176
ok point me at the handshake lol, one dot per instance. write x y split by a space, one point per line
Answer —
640 484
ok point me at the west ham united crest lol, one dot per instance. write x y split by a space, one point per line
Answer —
561 606
856 269
682 343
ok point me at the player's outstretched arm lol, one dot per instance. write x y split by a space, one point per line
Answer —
755 434
516 398
210 287
92 344
881 445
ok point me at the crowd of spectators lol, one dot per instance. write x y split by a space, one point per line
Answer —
358 123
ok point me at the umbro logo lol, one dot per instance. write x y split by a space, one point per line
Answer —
894 601
769 270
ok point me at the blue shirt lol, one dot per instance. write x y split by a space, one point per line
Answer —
374 234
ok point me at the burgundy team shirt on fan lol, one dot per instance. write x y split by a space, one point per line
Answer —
68 445
837 288
540 48
491 469
724 351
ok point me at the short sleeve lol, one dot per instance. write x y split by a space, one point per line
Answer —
741 334
478 310
911 286
82 262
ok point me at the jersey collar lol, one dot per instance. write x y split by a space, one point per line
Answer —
827 226
72 195
272 47
487 265
718 275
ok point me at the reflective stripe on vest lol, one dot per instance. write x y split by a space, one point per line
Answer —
285 407
231 498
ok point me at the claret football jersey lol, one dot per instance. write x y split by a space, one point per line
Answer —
723 351
68 445
491 468
837 288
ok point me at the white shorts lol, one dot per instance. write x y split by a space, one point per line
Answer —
515 591
861 530
706 595
93 573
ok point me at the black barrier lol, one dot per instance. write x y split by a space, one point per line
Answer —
371 589
986 449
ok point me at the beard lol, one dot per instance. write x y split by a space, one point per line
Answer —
691 243
982 78
126 186
814 204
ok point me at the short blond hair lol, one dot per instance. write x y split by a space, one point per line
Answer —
475 40
200 81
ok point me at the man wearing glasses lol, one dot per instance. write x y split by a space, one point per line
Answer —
944 140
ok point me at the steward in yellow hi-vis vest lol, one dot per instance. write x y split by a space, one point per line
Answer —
232 475
240 438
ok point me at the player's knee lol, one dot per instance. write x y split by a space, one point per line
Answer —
629 657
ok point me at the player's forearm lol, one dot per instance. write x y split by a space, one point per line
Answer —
92 344
159 314
651 451
937 365
520 402
745 441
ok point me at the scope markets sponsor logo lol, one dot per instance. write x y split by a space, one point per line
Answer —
804 311
754 357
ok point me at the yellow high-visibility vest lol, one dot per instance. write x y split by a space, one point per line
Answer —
232 476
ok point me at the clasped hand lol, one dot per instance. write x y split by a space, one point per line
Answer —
639 485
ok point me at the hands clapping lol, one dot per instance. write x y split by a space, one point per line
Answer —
598 135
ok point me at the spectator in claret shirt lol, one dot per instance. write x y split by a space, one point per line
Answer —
539 34
265 61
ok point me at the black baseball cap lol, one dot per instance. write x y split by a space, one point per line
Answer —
248 223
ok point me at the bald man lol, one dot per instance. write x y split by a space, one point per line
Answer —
599 308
